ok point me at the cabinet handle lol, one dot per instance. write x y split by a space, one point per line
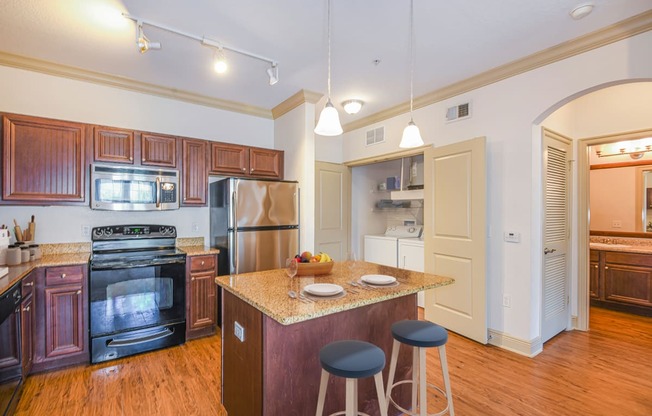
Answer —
192 279
63 275
29 283
606 267
596 266
131 158
202 262
79 292
26 309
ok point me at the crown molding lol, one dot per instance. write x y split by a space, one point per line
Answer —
605 36
65 71
302 96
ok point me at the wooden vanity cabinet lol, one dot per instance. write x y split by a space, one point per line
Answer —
61 301
44 160
625 282
113 145
201 296
594 275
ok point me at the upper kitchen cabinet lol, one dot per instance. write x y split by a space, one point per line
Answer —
43 159
234 160
194 172
113 145
158 150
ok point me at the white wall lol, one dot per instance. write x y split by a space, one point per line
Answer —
505 113
31 93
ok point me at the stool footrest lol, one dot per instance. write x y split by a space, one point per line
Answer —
409 413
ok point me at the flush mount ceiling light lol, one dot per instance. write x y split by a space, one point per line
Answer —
219 64
329 119
352 106
581 10
144 44
411 135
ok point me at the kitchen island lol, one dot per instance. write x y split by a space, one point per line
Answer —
271 367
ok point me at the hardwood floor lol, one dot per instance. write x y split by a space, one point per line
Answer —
602 372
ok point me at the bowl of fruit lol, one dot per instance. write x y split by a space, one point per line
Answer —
310 265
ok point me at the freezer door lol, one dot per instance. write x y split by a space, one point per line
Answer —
266 203
263 250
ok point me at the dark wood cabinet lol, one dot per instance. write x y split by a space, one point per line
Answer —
113 145
194 172
201 296
27 323
158 150
44 160
594 274
61 317
228 159
624 282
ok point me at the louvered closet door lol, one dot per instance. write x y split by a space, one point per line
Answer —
556 234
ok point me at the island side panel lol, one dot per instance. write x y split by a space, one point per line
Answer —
291 369
241 361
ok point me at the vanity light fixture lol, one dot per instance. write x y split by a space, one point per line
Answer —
636 154
329 119
352 106
220 66
411 135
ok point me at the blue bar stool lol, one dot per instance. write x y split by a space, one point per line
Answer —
351 360
420 335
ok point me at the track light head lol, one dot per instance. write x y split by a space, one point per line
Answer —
272 73
144 44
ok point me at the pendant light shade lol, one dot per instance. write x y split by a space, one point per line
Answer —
329 119
411 135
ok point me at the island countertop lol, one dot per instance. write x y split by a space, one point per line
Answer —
267 291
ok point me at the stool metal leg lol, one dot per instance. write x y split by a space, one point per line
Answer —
423 384
415 377
323 384
351 399
447 382
392 369
382 405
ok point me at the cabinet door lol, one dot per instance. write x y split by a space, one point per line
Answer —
27 333
113 145
64 321
202 300
44 159
628 284
266 163
157 150
229 159
594 280
194 173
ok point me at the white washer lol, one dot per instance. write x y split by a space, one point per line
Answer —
383 249
411 257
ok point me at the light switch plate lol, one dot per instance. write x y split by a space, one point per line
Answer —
238 331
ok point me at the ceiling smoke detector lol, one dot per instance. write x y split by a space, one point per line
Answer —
581 11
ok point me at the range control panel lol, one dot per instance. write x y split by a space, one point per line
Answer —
404 231
120 232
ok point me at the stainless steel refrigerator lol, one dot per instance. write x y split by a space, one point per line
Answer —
254 223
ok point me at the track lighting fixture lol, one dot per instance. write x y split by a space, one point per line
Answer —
272 73
219 64
143 43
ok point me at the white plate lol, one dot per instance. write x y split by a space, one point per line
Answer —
378 279
323 289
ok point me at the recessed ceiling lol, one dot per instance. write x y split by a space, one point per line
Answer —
454 40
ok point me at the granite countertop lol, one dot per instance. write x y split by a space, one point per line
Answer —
18 272
267 291
198 250
621 244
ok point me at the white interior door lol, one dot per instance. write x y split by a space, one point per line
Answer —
555 313
332 209
455 236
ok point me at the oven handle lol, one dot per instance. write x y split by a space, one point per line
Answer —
121 266
158 192
128 342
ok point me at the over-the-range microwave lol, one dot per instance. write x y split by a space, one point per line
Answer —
134 189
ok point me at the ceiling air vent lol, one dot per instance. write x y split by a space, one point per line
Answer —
459 112
376 136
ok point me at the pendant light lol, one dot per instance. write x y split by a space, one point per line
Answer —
329 119
411 135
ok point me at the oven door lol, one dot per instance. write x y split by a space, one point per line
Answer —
136 309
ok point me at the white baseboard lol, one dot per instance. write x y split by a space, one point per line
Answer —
574 321
519 346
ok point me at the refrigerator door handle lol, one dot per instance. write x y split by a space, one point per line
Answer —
234 205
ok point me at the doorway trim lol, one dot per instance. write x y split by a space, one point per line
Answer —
584 216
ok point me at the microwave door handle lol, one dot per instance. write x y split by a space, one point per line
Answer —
158 192
234 204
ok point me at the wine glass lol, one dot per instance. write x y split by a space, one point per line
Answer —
291 267
351 259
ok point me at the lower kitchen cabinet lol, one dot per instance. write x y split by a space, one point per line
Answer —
27 323
623 282
201 296
61 302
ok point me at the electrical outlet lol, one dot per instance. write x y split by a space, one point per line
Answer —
616 224
86 230
195 227
238 331
507 301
